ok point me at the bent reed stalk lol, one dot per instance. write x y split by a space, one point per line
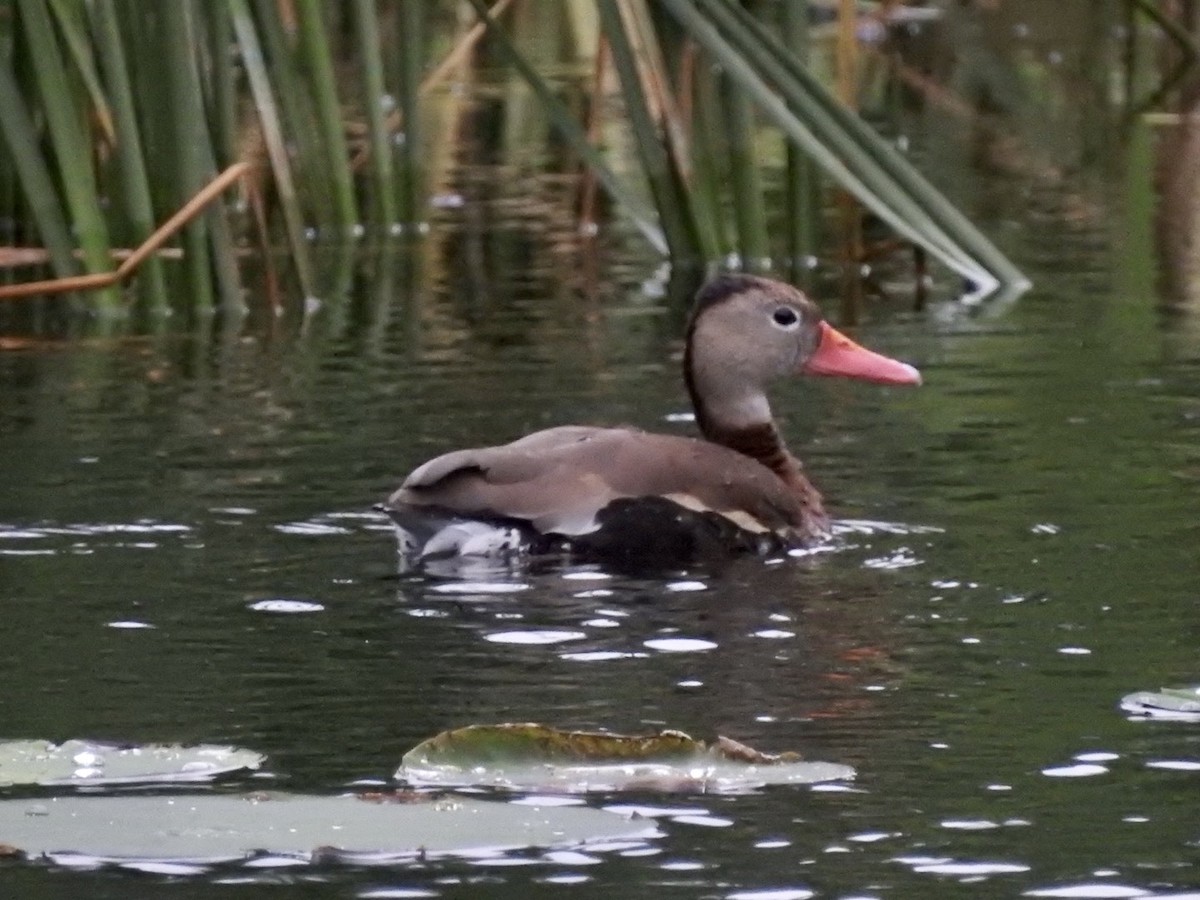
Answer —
142 254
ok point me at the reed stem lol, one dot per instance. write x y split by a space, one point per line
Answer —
72 149
366 21
20 133
801 197
318 63
748 211
260 88
134 181
411 46
664 184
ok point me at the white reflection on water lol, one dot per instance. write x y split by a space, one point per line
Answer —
971 869
23 533
1080 770
142 526
945 865
901 558
282 605
679 645
686 586
165 868
544 636
870 526
1096 891
870 837
547 800
586 575
567 878
271 861
705 821
572 858
969 824
316 529
602 656
1175 765
479 587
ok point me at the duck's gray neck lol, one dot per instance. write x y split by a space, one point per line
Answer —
737 416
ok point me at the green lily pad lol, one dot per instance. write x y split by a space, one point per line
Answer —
534 757
1175 704
96 764
205 829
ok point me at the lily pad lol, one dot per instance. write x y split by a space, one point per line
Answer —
535 757
96 764
1175 704
205 829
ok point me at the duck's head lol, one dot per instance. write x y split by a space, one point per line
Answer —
746 332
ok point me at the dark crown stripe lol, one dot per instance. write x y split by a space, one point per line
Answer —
722 287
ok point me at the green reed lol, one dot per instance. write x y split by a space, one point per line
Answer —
114 113
61 103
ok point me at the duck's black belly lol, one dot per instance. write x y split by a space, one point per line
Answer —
654 530
640 532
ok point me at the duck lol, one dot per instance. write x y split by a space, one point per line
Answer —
624 494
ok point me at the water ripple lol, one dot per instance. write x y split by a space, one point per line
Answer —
91 529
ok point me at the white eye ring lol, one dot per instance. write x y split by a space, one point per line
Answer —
785 317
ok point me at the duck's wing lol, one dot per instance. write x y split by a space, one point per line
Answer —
561 479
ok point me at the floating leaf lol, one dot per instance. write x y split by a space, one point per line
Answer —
535 757
1177 704
186 830
91 763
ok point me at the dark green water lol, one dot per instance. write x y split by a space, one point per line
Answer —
1018 548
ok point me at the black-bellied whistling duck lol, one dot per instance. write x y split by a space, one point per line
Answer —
622 493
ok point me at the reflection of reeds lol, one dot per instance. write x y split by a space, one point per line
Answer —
115 113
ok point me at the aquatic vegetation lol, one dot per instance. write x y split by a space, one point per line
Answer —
1173 704
115 116
97 764
185 834
529 756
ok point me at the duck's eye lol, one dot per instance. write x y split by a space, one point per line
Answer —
785 317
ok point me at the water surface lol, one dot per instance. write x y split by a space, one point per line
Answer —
1017 549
